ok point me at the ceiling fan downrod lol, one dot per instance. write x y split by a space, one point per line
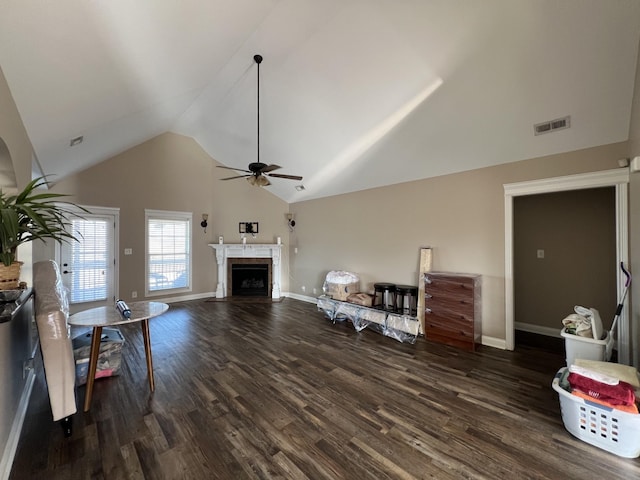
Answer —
258 60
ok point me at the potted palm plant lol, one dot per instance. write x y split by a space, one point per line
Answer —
27 216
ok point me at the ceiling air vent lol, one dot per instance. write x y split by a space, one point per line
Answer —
552 125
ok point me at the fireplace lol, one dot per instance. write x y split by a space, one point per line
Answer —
249 277
249 254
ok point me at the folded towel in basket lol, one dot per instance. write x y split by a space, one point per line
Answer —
621 372
599 377
623 408
620 394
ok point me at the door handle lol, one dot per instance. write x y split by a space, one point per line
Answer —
66 271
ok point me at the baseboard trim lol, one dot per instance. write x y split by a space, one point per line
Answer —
302 298
540 330
16 428
183 298
494 342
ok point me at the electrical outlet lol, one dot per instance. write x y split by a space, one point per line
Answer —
303 288
315 291
134 294
128 251
295 250
540 253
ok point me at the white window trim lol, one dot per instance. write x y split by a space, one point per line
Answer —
169 215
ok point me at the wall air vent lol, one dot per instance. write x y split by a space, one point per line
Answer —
552 125
76 141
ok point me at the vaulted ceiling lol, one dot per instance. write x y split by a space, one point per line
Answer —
354 94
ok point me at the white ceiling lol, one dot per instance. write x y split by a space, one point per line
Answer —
354 94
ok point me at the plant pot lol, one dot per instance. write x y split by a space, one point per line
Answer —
10 276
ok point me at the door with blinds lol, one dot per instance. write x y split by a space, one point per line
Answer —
88 266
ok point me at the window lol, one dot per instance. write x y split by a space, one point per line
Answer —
168 251
88 263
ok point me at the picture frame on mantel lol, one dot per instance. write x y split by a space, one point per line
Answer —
248 227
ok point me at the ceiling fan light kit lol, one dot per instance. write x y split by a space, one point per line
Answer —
258 171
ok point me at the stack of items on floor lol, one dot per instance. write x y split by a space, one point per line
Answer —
345 287
342 300
608 384
339 285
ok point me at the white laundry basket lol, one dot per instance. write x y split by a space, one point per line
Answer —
612 430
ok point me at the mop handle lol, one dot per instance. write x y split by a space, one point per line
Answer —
626 288
627 274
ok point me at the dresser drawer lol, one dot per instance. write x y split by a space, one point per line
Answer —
453 308
449 285
449 325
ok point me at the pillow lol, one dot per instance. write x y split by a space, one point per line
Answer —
621 372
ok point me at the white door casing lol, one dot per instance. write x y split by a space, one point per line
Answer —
618 178
89 267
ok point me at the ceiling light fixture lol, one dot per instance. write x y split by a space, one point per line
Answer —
259 179
258 171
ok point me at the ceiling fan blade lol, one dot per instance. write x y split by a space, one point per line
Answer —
233 168
290 177
269 168
237 176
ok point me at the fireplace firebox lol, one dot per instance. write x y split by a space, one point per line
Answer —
249 277
250 280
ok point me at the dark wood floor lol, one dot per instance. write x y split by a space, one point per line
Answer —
275 390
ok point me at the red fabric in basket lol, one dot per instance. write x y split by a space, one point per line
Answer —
623 408
621 394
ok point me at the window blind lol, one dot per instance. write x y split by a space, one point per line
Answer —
168 253
89 261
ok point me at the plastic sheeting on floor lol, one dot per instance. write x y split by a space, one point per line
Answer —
402 328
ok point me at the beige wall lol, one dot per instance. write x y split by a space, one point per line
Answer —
172 172
14 135
377 233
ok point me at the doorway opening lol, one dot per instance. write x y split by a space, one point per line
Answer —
618 179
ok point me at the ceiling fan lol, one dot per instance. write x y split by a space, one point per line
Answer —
258 171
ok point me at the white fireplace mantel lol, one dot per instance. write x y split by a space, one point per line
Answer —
247 250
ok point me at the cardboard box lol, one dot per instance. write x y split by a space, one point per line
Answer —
363 299
340 291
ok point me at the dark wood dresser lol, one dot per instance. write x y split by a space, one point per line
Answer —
453 309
